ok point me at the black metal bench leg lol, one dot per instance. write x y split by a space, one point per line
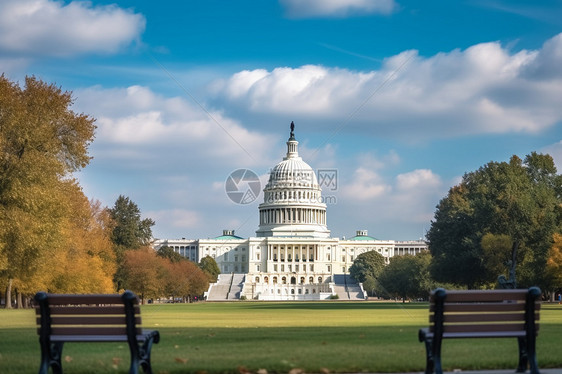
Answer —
51 354
523 357
429 364
532 356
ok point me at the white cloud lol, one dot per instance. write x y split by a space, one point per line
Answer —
421 179
366 185
483 89
53 28
336 8
137 118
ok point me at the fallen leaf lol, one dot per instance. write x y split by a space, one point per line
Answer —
296 371
243 370
182 360
262 371
176 346
67 358
116 360
325 371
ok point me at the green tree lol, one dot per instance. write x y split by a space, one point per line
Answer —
210 267
169 253
368 264
407 276
515 200
130 232
42 141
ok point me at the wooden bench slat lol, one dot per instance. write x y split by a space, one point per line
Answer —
94 338
480 317
105 309
484 307
482 334
56 299
484 296
484 327
90 330
89 320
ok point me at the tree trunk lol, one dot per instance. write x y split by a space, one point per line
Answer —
9 294
19 303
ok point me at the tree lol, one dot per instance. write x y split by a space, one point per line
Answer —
129 232
185 279
210 267
169 253
368 264
515 200
42 141
145 273
407 276
554 266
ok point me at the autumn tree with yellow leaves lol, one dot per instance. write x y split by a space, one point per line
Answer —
51 237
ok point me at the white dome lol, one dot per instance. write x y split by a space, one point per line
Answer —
292 172
292 203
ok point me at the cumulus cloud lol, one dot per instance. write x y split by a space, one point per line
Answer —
336 8
53 28
482 89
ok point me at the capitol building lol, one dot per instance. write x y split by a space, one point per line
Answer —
292 256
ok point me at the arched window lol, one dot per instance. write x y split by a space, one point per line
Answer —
257 279
274 280
292 291
266 280
293 280
319 279
302 280
311 280
284 280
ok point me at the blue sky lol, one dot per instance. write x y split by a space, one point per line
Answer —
400 97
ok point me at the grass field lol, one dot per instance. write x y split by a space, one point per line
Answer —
317 337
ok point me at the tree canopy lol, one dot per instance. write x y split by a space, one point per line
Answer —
130 231
210 267
407 276
42 141
368 264
503 206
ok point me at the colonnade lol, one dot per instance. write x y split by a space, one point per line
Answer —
292 253
292 215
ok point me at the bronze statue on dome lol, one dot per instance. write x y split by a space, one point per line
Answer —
292 130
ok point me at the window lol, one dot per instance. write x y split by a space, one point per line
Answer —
319 279
266 280
275 267
282 267
243 258
257 267
284 280
257 279
274 280
236 258
329 268
302 280
257 256
293 280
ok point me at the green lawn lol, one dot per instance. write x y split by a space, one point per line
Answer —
313 336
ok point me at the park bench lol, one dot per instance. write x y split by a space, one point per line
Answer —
91 318
483 314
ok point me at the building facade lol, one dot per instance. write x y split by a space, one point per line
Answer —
292 256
